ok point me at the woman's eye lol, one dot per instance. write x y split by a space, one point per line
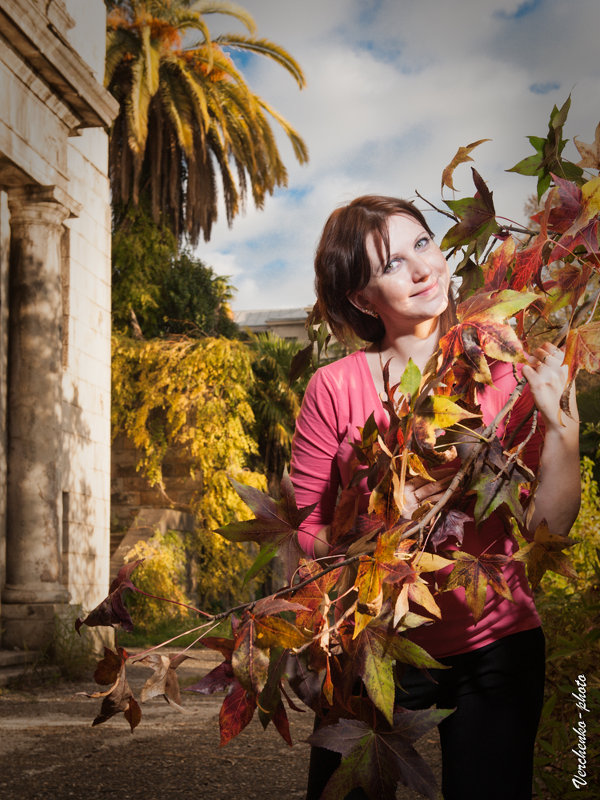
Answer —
423 242
392 264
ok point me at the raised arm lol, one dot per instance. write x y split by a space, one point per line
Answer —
558 495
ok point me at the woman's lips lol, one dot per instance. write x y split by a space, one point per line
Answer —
427 289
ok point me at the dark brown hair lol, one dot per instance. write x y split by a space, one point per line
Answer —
342 265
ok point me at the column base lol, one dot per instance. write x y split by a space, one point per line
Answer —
29 626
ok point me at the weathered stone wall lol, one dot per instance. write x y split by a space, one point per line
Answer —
54 312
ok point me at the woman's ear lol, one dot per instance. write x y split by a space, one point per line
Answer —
360 302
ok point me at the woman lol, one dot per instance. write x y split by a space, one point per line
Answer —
380 275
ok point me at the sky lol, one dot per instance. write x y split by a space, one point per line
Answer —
394 87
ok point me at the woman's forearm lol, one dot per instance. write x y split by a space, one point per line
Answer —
558 495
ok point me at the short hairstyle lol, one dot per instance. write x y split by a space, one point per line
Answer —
342 265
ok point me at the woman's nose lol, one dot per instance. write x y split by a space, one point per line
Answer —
421 270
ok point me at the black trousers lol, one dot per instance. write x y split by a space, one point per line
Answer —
487 743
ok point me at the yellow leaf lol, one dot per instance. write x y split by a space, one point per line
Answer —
430 562
419 593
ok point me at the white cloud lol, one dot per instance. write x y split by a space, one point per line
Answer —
394 87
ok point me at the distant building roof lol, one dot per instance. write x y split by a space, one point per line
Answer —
265 317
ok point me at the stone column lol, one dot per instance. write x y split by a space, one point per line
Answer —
33 591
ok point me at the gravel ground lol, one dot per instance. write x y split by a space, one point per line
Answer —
49 751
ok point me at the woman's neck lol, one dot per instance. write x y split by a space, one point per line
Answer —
419 345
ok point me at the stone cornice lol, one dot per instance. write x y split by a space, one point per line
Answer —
38 41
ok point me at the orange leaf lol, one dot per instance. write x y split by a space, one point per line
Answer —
482 333
461 156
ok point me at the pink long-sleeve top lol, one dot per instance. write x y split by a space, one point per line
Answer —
339 398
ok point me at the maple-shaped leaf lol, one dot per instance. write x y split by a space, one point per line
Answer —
436 413
477 218
163 682
451 524
377 759
276 521
300 363
582 351
474 574
111 611
482 332
236 712
575 217
460 157
567 288
373 654
119 698
590 153
392 555
499 263
545 552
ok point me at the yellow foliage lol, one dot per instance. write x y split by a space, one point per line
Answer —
191 395
163 574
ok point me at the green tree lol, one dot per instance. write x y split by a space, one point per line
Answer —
187 114
170 290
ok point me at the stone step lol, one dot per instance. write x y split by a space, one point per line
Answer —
15 663
12 658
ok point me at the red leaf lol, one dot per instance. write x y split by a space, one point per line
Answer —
451 524
111 611
498 264
281 722
110 666
236 712
582 351
482 332
119 699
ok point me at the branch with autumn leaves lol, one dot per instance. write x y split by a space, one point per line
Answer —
339 624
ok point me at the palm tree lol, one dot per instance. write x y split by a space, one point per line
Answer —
187 115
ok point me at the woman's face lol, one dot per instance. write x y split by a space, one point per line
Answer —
412 287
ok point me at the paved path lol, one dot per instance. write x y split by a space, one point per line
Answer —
49 751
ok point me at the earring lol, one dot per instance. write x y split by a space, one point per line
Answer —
370 312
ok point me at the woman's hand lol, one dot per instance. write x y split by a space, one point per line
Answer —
547 378
418 491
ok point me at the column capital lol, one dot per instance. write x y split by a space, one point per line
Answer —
29 200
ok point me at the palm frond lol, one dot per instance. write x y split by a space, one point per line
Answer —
264 47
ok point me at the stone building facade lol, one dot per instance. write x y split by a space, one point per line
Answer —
54 314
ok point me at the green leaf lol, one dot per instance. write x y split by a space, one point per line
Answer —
266 554
528 166
411 379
